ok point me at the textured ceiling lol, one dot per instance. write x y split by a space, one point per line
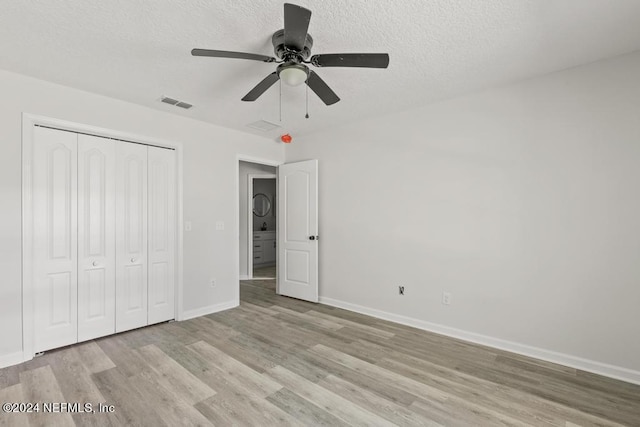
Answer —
138 50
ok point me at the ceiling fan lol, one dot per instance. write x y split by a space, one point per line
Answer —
292 46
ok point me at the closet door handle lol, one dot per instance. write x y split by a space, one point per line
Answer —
133 260
95 263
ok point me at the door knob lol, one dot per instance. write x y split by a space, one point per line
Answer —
95 263
133 260
313 237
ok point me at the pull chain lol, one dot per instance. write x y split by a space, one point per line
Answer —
306 116
280 101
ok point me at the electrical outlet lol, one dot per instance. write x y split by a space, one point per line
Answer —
213 283
187 226
219 225
446 298
401 290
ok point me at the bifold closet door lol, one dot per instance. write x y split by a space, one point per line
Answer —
162 233
131 232
55 249
96 237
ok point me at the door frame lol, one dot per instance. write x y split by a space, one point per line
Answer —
260 161
250 178
28 123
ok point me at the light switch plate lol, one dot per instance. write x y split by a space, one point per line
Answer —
219 225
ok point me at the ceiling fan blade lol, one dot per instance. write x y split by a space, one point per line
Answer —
366 60
261 87
228 54
321 89
296 25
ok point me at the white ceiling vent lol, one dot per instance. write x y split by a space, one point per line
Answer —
175 102
263 125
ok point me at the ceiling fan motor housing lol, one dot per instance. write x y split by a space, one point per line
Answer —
289 53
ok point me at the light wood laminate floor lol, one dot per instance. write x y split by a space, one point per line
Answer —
265 272
279 361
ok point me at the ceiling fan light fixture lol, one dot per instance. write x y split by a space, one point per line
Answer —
293 75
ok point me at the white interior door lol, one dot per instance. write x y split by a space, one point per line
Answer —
162 234
131 236
96 237
298 230
55 250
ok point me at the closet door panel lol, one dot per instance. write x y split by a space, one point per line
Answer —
162 234
96 239
55 251
131 241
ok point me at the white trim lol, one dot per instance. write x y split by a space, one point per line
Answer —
27 237
11 359
28 122
203 311
251 159
243 277
250 178
593 366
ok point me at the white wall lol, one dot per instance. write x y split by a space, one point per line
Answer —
210 168
247 168
521 201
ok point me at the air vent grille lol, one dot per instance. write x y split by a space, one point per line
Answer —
263 125
175 102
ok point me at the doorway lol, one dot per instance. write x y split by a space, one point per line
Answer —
262 226
292 241
254 179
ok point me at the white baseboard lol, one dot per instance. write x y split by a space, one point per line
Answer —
203 311
604 369
11 359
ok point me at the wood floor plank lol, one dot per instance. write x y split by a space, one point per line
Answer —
281 353
462 415
131 406
171 403
305 317
303 410
379 374
380 333
236 348
378 405
9 376
175 377
93 357
257 308
40 385
213 328
243 377
331 402
388 390
367 350
13 394
229 409
125 358
77 386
